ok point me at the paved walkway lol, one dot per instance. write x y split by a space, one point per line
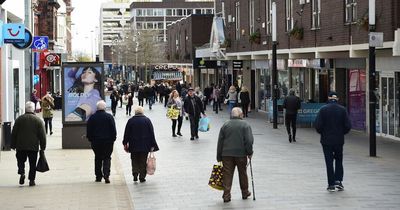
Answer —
286 176
68 185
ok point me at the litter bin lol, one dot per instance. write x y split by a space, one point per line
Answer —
6 137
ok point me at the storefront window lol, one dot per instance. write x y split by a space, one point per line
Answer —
397 104
283 83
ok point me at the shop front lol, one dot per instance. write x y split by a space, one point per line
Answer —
388 108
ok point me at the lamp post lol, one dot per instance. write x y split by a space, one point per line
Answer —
274 69
372 99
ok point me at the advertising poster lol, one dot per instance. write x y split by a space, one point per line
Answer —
357 107
82 89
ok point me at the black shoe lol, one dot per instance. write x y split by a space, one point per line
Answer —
192 138
197 137
331 188
179 134
226 200
339 186
107 180
173 135
51 133
294 139
32 183
290 138
142 180
135 178
98 179
22 179
244 197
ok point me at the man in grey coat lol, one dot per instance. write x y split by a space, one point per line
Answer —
235 146
26 136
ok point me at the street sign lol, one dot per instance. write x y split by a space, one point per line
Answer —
14 33
40 43
376 39
27 41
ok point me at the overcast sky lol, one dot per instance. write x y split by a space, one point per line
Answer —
85 18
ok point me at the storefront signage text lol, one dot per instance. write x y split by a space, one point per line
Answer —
237 64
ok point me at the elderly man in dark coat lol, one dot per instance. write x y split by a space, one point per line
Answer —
139 140
333 123
235 145
193 106
26 136
101 132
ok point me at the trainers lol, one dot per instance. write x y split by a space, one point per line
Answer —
331 188
339 185
22 179
179 134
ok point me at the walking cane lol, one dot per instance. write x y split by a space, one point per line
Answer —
252 180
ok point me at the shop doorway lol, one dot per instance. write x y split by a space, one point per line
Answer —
387 101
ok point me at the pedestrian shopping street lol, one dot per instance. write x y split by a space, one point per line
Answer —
286 175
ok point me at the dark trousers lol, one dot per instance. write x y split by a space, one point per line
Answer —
141 102
22 155
179 120
333 153
228 170
290 120
120 99
128 109
139 164
245 109
194 125
217 105
102 158
205 103
114 108
166 100
48 124
161 97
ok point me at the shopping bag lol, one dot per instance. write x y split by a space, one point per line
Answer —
42 165
125 100
204 124
172 113
216 180
151 164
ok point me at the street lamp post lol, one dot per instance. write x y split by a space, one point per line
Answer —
274 69
372 99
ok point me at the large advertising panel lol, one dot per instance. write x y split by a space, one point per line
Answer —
82 89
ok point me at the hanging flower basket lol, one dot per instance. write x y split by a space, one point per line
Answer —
255 37
297 32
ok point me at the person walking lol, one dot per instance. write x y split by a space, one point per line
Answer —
235 146
121 93
129 97
139 140
47 107
167 92
27 135
333 123
231 97
245 100
101 133
291 104
194 108
34 98
217 99
114 97
141 95
175 102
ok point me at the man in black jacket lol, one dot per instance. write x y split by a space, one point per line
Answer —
291 103
333 123
101 132
194 107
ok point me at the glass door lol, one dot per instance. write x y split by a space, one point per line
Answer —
388 106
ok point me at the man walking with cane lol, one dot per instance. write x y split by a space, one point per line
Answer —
235 146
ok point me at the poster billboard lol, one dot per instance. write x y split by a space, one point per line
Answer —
82 88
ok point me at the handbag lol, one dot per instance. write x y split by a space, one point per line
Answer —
42 165
151 164
125 100
216 178
173 113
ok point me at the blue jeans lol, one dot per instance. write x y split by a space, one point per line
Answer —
151 101
231 105
333 153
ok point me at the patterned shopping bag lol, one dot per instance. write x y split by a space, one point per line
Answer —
215 180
